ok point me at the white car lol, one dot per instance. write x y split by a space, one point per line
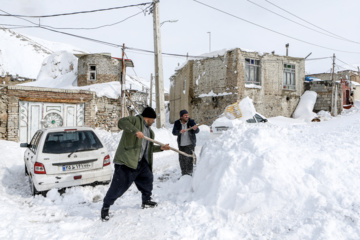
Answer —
65 157
223 124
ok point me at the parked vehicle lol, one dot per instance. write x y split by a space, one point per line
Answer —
223 124
65 157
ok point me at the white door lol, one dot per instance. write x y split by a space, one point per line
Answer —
36 115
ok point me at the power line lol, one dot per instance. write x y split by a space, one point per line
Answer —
340 38
313 44
311 23
79 28
102 42
345 63
73 13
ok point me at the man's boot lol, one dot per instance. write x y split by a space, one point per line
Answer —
105 214
148 204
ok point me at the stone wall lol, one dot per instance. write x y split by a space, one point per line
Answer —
205 87
3 112
107 112
107 69
324 91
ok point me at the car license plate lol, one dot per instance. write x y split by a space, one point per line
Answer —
73 167
221 129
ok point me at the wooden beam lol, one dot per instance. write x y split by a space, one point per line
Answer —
53 100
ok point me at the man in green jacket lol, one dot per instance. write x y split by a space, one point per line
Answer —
133 160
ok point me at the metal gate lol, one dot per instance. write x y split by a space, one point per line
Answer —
36 115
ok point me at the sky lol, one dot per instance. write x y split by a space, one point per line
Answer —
199 28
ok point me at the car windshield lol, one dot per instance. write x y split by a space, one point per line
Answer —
72 141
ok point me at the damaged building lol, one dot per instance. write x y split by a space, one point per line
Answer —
206 86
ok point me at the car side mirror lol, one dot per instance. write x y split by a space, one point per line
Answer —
24 145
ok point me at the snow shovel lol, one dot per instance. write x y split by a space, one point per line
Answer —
174 149
231 112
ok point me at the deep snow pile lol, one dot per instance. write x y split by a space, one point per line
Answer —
289 182
304 110
257 181
23 55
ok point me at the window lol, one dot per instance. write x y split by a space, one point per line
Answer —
252 75
35 141
289 76
92 73
65 142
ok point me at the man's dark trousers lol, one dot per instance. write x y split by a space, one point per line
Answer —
124 177
186 163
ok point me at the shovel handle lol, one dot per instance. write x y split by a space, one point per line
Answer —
211 119
171 148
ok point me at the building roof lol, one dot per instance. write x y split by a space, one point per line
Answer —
128 62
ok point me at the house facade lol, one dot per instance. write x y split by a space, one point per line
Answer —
25 109
205 87
100 68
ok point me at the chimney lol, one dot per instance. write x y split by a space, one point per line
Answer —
287 49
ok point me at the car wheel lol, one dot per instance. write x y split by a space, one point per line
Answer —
33 190
26 172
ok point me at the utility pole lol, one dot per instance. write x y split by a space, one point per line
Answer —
159 79
123 76
333 102
151 92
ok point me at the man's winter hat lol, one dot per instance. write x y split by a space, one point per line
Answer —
149 113
182 112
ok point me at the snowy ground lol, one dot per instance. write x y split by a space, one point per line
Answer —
280 180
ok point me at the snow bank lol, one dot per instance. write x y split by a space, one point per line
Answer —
286 182
304 109
23 55
59 70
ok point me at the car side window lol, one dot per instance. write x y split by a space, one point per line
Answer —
35 141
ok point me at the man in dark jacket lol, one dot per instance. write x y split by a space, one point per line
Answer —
186 140
133 160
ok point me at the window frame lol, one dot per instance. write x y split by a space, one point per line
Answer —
289 76
35 141
92 72
252 71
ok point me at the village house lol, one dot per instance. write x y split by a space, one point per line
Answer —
206 86
25 109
